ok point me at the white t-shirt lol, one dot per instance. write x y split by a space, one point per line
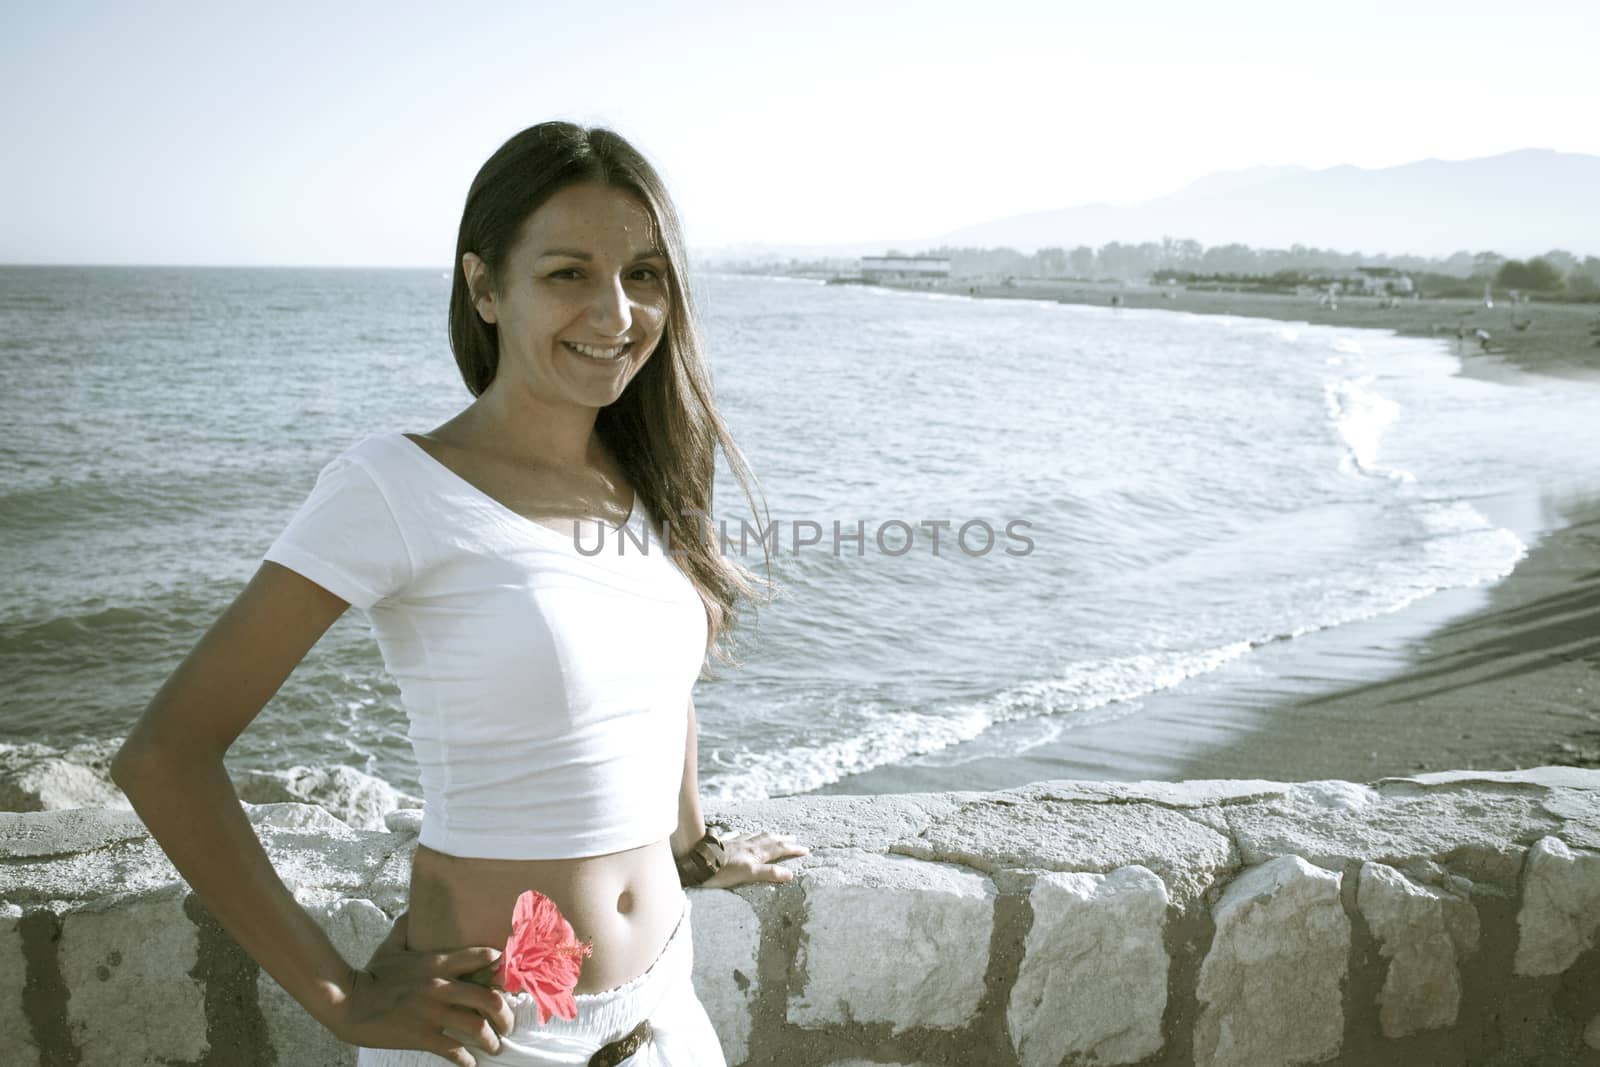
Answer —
547 688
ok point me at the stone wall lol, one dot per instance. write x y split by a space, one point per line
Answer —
1448 918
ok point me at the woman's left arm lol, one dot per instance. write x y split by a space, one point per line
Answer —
746 857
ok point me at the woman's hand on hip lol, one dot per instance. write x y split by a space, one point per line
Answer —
417 1000
753 858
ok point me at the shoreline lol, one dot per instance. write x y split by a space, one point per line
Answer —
1499 676
1561 340
1515 683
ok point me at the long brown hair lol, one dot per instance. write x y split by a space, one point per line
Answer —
664 429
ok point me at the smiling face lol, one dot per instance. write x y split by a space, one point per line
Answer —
582 298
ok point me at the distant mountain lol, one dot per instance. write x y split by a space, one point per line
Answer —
1231 181
1518 204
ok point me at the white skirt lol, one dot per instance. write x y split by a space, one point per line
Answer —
681 1034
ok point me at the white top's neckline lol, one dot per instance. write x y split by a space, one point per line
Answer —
634 509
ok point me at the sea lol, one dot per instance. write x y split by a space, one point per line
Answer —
1045 512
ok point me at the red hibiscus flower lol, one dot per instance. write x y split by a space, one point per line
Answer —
542 957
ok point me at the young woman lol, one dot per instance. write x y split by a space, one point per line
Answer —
548 688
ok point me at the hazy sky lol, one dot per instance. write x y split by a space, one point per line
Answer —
347 133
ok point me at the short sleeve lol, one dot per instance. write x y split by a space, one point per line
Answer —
345 537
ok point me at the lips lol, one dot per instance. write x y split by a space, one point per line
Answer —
600 353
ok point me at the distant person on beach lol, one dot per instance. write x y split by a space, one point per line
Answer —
548 690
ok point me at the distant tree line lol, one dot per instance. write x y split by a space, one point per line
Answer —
1556 274
1464 273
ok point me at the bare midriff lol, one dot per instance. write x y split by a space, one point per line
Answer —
627 902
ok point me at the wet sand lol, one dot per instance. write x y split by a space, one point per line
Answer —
1558 339
1489 677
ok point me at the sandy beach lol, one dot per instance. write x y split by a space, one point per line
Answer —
1558 339
1490 677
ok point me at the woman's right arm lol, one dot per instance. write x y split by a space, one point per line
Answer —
171 768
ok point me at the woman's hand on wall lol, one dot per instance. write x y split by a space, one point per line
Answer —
418 1000
753 858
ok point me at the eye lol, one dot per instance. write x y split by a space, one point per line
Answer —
646 274
565 272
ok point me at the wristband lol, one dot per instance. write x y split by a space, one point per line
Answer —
703 860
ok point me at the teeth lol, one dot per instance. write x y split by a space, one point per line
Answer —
597 353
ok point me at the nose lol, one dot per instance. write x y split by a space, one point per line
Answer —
610 311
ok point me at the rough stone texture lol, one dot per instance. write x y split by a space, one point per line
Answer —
871 823
98 855
1560 914
1591 1033
355 927
390 885
308 818
1054 828
1580 812
33 835
404 821
15 1035
1269 989
133 1001
357 799
910 913
1424 932
1093 980
1333 823
1194 793
324 860
37 777
727 943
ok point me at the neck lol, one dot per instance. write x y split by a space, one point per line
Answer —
536 432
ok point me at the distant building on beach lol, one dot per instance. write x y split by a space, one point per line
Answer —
904 268
1368 281
1381 280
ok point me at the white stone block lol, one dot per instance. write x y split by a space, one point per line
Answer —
1560 914
15 1033
132 1000
355 927
1093 979
355 798
1269 989
1334 823
891 939
1423 932
293 816
727 943
403 821
1050 829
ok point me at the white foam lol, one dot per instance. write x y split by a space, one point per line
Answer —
1361 414
884 736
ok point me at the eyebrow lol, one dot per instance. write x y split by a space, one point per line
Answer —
573 253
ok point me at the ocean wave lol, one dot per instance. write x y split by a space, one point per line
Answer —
1455 546
1361 414
127 500
886 736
